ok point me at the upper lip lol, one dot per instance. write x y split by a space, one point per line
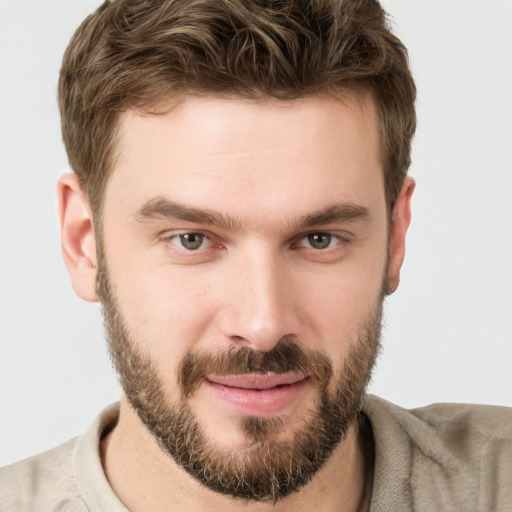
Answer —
257 381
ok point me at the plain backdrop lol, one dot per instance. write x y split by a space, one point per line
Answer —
448 334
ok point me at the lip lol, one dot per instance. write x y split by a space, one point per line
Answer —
258 395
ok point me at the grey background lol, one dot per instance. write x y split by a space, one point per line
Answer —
448 328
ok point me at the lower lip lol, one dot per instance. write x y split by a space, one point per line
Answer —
259 402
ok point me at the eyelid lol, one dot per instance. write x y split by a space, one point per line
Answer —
343 236
169 235
336 238
184 255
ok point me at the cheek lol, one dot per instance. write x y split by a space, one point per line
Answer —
166 316
339 304
164 307
165 303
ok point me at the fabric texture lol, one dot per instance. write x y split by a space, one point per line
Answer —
444 457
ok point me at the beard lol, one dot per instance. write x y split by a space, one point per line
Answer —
265 468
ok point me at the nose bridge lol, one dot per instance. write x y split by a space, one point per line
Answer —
261 310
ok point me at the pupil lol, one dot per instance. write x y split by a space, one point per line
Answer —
192 240
320 240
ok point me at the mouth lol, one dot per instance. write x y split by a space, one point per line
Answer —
258 395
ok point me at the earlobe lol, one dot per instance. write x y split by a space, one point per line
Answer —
400 220
77 237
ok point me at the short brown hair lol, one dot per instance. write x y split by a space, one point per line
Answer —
135 53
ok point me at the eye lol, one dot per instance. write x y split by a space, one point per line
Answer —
191 241
319 241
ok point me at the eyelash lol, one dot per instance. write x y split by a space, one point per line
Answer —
338 239
331 236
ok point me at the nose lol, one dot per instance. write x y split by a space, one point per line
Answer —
259 304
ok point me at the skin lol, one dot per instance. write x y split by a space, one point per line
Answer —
266 166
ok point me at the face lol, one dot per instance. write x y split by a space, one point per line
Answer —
244 253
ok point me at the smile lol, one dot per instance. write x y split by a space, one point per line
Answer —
258 395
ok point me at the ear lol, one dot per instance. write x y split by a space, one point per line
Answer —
78 242
400 220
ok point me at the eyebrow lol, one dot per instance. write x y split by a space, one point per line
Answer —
337 212
162 208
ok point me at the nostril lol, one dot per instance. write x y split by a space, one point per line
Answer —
239 339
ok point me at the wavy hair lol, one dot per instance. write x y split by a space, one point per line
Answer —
138 53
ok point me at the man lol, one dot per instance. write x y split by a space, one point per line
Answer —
239 206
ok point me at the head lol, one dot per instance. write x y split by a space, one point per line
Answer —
239 207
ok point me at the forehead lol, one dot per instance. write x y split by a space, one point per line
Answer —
220 153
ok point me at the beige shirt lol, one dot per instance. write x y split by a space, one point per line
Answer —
444 457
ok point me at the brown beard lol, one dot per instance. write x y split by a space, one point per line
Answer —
265 469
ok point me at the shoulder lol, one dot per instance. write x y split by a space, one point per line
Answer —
468 428
462 425
43 482
447 455
486 420
67 478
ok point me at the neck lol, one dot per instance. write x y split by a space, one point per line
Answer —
146 479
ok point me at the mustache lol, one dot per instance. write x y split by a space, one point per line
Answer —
285 356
